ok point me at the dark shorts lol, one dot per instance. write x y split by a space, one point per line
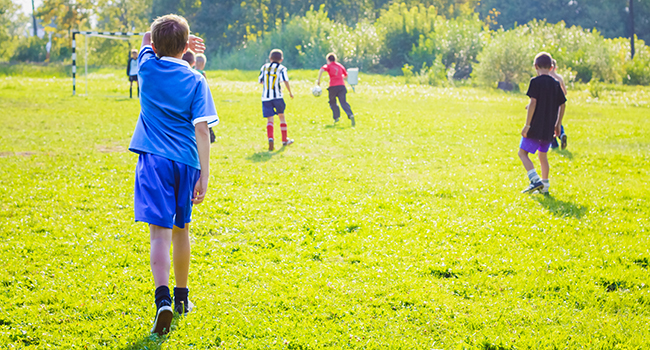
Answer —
532 146
133 78
163 191
273 107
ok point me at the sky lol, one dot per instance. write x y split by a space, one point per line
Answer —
26 5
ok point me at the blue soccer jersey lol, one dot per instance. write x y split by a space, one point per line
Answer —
173 98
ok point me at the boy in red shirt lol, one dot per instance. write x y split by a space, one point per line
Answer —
337 88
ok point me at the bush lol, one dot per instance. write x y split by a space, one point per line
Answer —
507 56
402 31
30 49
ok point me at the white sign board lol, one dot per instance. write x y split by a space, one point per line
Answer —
353 76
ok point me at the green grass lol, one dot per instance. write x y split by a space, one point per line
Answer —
407 231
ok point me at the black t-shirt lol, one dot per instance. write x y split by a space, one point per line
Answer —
548 93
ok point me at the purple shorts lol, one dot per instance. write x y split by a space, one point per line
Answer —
532 146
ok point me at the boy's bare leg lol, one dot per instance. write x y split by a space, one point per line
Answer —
528 164
160 240
181 254
543 161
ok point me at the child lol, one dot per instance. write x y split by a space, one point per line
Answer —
271 74
545 113
172 140
201 60
337 88
563 136
132 72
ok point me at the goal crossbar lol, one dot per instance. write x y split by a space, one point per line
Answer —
107 35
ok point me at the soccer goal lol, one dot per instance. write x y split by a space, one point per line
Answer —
87 34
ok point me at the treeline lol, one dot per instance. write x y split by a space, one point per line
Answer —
429 41
429 48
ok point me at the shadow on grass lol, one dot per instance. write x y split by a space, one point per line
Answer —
564 153
151 341
561 208
264 156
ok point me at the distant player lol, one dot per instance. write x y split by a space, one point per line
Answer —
543 120
271 74
173 143
563 136
193 59
132 72
337 88
201 60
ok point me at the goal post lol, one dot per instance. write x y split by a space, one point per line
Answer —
107 35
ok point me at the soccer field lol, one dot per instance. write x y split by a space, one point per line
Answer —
408 231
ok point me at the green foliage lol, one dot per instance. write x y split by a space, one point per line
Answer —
400 29
401 233
507 56
30 49
582 55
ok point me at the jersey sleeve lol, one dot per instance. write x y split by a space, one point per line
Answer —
345 71
325 68
533 89
283 74
146 54
203 109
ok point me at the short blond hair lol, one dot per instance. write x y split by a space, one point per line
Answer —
201 57
170 34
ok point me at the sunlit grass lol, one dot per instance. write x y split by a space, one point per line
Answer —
407 231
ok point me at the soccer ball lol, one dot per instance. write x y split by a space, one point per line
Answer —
316 91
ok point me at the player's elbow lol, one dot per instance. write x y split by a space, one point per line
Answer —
201 130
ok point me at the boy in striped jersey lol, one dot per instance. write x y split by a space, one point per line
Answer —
271 74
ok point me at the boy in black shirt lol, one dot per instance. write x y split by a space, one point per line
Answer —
543 121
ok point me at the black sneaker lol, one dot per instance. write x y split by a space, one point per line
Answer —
163 321
336 120
534 186
352 120
563 139
183 307
271 146
287 142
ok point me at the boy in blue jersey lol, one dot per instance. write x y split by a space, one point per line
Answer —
173 143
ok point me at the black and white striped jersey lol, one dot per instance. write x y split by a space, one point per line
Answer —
271 75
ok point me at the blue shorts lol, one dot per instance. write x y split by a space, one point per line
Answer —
532 146
273 107
163 191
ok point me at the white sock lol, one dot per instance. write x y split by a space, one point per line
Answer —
532 175
547 184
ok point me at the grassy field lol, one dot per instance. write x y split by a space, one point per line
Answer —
407 231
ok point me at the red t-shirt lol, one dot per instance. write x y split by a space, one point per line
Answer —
336 72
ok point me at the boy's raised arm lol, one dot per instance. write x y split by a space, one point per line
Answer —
146 40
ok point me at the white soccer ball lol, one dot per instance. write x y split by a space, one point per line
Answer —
316 91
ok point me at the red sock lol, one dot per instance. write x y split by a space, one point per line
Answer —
283 127
269 130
